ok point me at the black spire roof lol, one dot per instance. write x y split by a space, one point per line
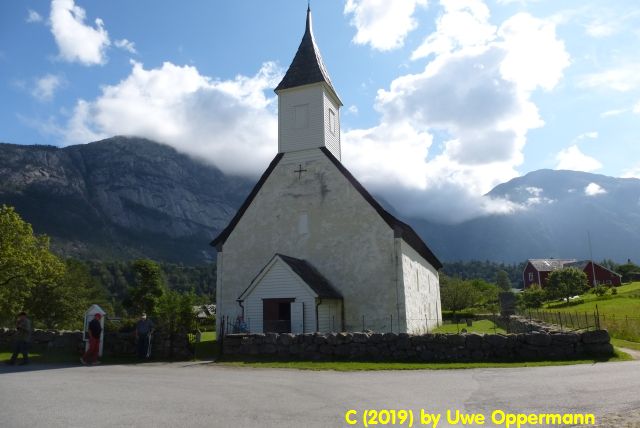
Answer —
307 66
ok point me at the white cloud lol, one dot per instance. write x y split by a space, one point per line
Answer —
636 108
622 78
76 41
125 45
230 123
475 98
464 24
573 159
33 16
633 172
590 135
594 189
46 86
382 24
600 29
614 112
535 191
353 109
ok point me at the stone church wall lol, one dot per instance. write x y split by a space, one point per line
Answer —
345 240
421 292
427 348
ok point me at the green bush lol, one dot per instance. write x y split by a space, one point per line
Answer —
599 290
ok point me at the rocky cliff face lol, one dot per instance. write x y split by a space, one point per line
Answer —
120 198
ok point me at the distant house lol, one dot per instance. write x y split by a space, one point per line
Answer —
536 271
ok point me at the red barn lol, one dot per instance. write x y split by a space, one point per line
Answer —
536 271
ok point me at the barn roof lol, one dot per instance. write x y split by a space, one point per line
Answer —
582 264
401 229
548 265
307 66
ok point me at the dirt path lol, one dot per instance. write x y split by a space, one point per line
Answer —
635 354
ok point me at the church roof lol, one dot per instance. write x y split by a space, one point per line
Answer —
312 277
401 229
307 273
307 66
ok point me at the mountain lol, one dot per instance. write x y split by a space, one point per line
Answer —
123 198
120 198
558 210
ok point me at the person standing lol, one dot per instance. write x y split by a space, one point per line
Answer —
23 339
144 328
95 331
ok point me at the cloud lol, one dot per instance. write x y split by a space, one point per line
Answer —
600 29
594 189
636 108
229 123
622 78
590 135
125 45
573 159
46 86
464 24
382 24
33 16
76 41
449 134
633 172
614 112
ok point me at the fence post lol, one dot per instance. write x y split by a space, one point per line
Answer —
598 316
560 318
363 323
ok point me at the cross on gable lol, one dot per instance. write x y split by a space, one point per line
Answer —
299 171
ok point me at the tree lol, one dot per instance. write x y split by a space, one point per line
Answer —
25 263
565 283
486 294
628 271
532 297
457 294
502 280
148 287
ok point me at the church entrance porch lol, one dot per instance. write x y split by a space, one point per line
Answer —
289 296
276 315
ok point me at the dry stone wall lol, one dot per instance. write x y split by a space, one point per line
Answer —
114 344
427 348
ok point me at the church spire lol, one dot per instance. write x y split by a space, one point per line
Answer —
307 66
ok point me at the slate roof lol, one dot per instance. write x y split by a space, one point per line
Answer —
312 277
307 66
401 229
582 264
549 265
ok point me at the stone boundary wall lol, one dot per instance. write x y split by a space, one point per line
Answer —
427 348
115 343
520 324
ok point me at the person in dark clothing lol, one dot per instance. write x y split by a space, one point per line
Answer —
23 339
144 328
95 331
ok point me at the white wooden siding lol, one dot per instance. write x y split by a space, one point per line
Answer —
331 139
293 138
330 316
280 283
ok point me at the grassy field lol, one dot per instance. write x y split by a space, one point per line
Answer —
620 314
625 344
481 326
385 365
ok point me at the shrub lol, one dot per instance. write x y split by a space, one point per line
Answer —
599 290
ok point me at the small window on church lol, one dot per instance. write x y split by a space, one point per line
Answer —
301 116
332 121
303 223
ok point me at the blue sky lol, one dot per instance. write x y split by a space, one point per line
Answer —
443 99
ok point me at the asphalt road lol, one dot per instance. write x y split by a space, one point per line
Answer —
200 395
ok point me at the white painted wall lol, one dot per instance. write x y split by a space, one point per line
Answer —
280 283
421 290
347 241
331 137
330 316
294 133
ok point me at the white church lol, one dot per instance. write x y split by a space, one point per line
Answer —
310 250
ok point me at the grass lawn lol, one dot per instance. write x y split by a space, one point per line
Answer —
386 365
625 344
207 349
481 326
47 356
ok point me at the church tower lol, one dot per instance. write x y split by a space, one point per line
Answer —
308 105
